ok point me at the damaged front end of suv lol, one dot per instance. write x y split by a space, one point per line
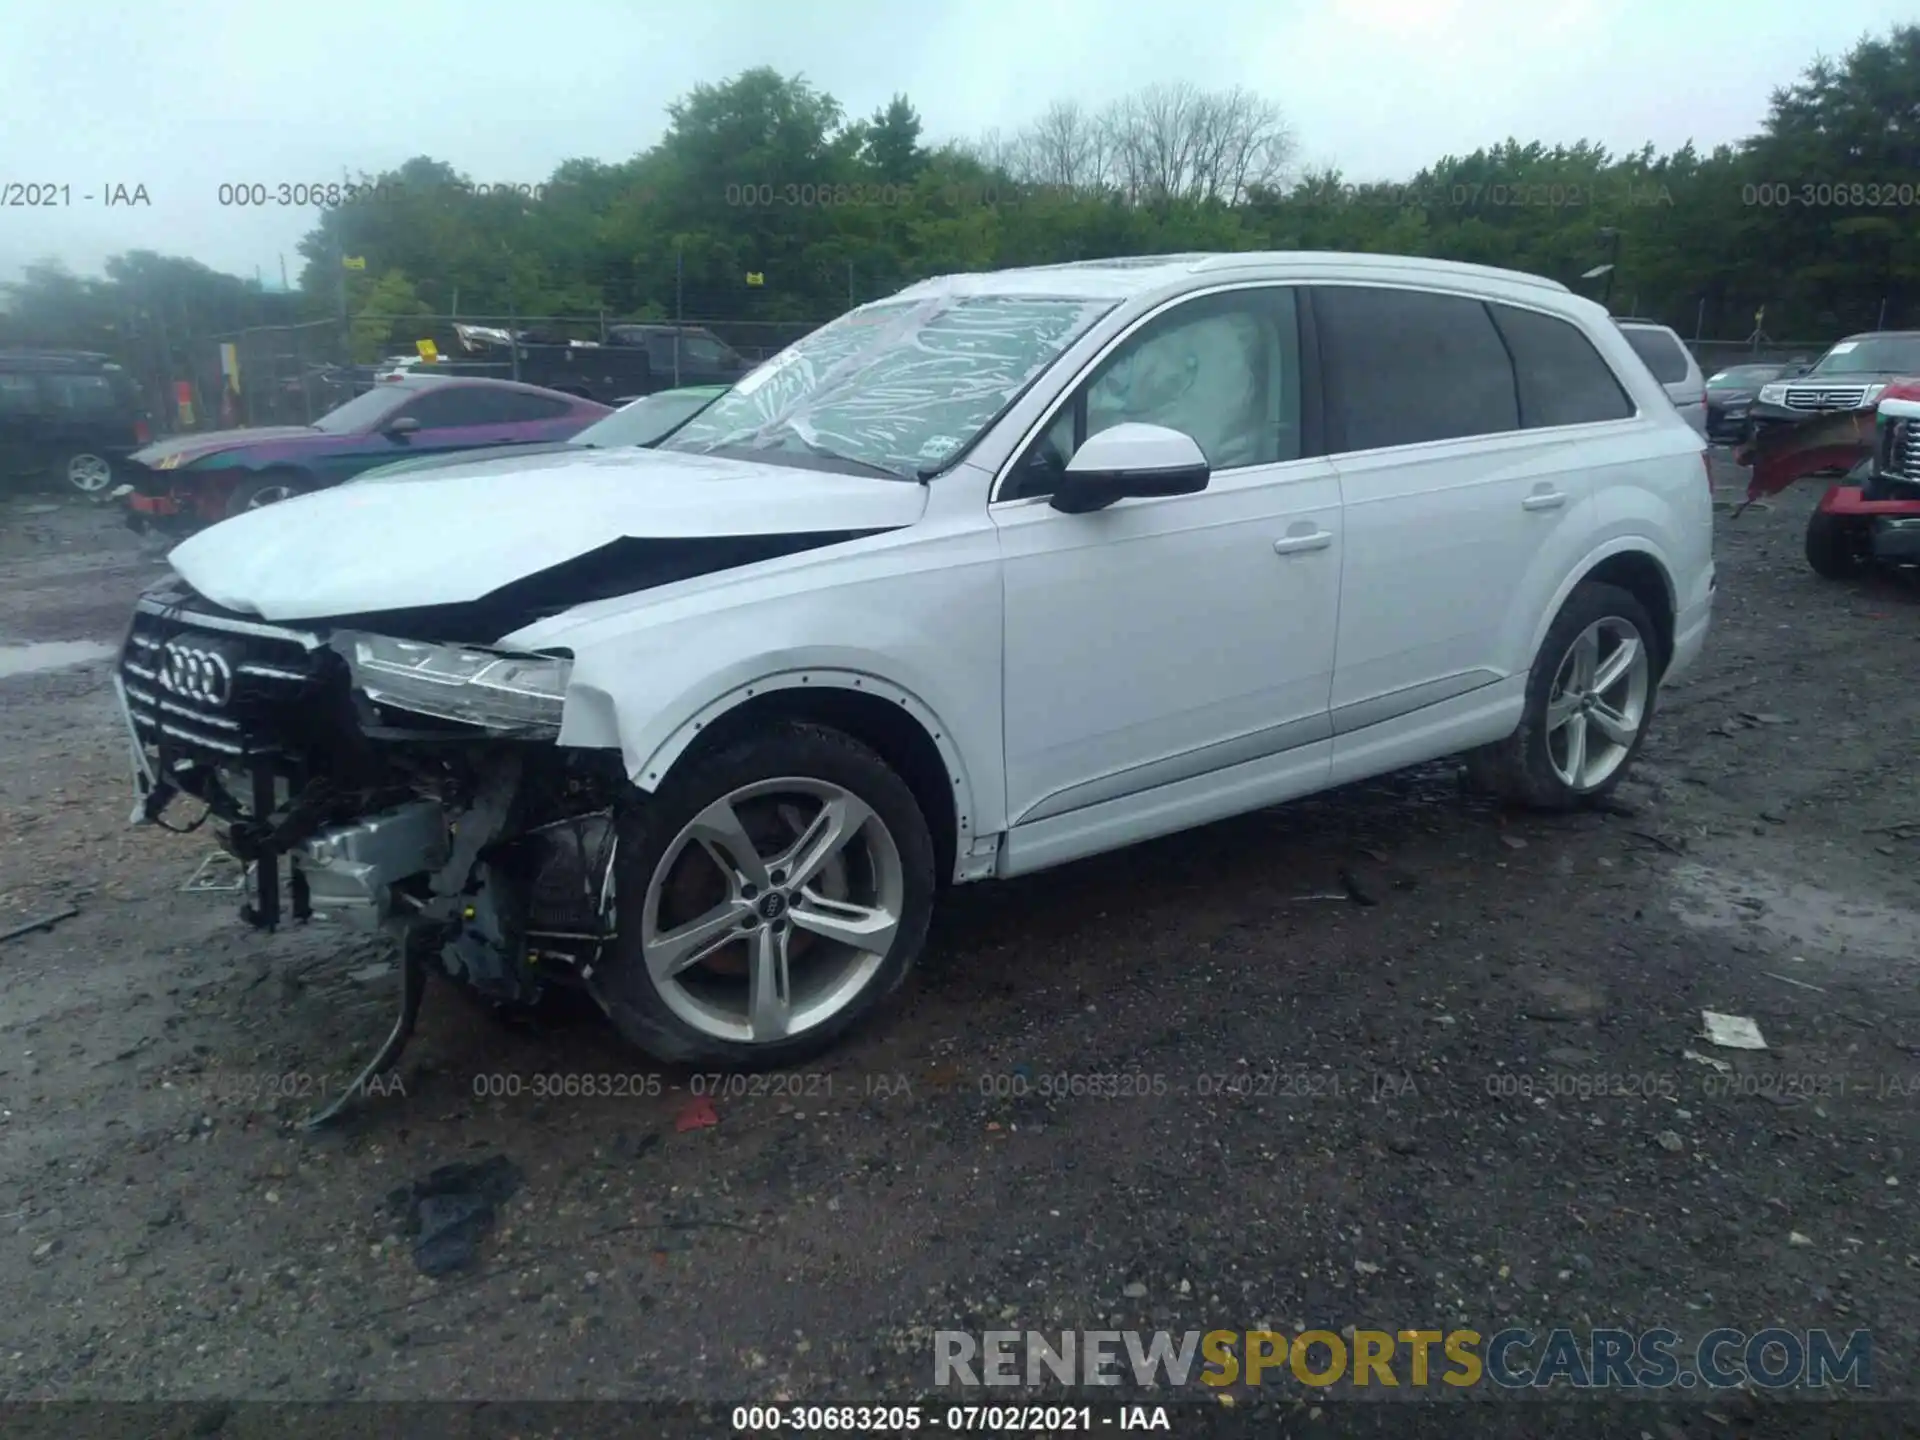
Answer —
386 782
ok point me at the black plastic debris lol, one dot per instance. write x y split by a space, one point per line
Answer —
450 1212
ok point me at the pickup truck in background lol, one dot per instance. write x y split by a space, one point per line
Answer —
634 360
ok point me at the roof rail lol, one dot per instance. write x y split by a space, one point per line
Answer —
1238 259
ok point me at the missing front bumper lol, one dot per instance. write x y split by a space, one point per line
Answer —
351 870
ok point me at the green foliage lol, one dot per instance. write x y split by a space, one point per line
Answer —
765 174
376 327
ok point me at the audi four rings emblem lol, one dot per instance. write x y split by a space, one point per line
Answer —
196 674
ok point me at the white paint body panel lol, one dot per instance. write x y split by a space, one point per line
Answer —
439 537
1091 680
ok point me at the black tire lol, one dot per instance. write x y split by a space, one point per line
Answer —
1519 769
267 488
622 984
1833 546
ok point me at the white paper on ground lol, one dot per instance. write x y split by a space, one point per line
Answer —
1731 1032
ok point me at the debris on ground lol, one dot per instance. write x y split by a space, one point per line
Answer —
1731 1032
698 1114
45 922
1725 1067
451 1211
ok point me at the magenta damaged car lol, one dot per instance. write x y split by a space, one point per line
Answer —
190 480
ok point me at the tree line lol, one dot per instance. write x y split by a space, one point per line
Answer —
766 203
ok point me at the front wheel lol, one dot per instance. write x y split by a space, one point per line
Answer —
267 488
1834 546
1590 697
767 900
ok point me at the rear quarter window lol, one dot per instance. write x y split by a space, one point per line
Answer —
1662 352
1562 379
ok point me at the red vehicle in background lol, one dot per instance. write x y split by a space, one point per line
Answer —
1870 515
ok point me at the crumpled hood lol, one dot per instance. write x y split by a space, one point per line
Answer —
445 538
207 442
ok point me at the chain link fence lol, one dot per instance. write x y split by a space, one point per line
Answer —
293 374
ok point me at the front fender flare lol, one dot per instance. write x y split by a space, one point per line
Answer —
652 769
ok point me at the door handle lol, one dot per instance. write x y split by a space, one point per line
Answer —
1294 544
1544 500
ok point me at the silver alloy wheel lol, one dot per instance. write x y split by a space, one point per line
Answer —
810 889
89 473
269 495
1597 703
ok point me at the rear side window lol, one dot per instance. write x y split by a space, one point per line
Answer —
1406 366
81 394
1662 352
18 394
1563 380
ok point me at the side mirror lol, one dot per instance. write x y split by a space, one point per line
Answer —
401 427
1130 460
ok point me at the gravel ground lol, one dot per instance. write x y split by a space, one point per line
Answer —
1408 1061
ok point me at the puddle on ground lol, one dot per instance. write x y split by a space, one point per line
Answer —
45 655
1800 917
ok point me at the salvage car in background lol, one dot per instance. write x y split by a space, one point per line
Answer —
191 480
1003 571
1872 516
69 414
1672 365
646 421
1731 393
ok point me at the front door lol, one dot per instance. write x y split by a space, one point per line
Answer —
1165 639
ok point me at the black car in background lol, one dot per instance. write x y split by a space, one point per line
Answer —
1731 393
69 415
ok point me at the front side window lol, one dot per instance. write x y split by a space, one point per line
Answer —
1881 355
704 350
364 412
896 388
1563 380
1662 352
1404 367
1223 369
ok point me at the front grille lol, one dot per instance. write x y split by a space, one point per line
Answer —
1807 398
1905 450
206 683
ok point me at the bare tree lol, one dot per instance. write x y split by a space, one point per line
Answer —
1176 142
1065 149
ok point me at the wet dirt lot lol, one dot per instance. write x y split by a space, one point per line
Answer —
1389 1058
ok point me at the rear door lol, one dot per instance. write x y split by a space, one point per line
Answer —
23 433
1459 517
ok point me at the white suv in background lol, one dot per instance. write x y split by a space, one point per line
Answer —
1673 365
1003 571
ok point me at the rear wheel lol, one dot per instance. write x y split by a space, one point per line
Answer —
767 901
269 487
1590 696
1835 545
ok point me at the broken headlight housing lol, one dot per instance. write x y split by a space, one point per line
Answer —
516 694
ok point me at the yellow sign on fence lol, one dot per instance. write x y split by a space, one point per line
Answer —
754 277
429 352
354 262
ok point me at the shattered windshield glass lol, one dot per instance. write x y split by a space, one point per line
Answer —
897 387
